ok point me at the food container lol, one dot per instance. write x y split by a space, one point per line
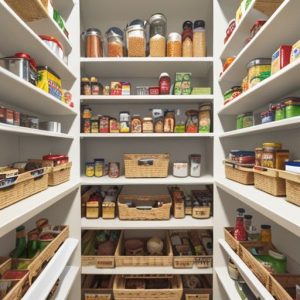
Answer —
99 167
256 28
248 120
92 209
8 116
114 170
258 156
258 70
104 124
97 287
115 43
158 31
96 87
29 121
292 107
174 45
124 122
142 90
169 122
281 58
89 169
56 159
267 116
136 124
195 165
116 88
228 62
125 89
199 39
280 112
295 54
17 118
239 121
180 169
86 88
113 125
49 82
22 65
136 40
164 84
232 93
205 117
187 39
272 146
153 90
94 125
50 126
53 44
192 122
147 125
93 42
230 29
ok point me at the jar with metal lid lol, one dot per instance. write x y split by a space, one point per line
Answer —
89 169
158 31
271 146
99 167
248 120
180 169
86 86
115 44
174 45
169 122
93 42
136 124
96 87
258 70
94 125
265 234
136 40
199 39
292 107
124 122
148 125
258 156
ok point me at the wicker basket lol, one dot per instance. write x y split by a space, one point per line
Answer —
267 7
146 165
197 294
121 293
268 180
60 174
229 238
202 212
22 186
292 181
140 213
98 293
123 260
239 174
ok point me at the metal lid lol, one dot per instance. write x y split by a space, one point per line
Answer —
199 24
187 25
137 22
259 61
135 27
158 17
114 31
164 75
92 31
174 36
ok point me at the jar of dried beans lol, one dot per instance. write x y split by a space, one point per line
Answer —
199 39
93 42
115 45
174 45
136 41
158 28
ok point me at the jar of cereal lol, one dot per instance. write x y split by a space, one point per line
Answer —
136 40
174 45
115 45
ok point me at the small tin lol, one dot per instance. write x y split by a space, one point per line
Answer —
180 169
50 126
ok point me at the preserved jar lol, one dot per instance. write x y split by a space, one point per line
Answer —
99 167
86 86
136 124
187 39
164 84
265 234
93 42
114 170
158 28
199 39
148 125
115 44
169 122
136 40
124 122
95 87
94 125
89 169
174 46
258 70
114 125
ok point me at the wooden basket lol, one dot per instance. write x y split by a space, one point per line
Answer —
141 213
123 260
121 293
229 238
98 293
22 186
146 165
268 180
239 174
202 212
267 7
292 181
60 174
197 294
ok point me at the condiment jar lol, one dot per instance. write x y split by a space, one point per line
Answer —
265 234
180 169
158 29
136 124
169 122
99 167
85 86
280 112
187 39
136 40
124 122
89 169
115 44
164 84
148 125
93 42
95 86
199 39
174 46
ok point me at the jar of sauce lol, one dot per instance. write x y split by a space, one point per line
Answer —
99 167
89 169
169 122
136 124
148 125
114 170
265 234
164 84
93 42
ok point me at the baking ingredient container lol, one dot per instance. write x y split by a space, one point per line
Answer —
93 42
195 165
124 122
147 125
199 39
99 167
136 124
115 43
187 39
180 169
295 54
136 40
292 107
53 44
281 58
258 70
232 93
158 31
174 45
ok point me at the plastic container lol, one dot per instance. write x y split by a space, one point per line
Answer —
199 39
258 70
164 84
93 42
239 121
180 169
158 31
232 93
115 43
280 112
248 120
136 40
267 116
54 45
174 46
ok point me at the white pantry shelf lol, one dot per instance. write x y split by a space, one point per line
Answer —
136 67
170 180
146 135
142 99
144 270
20 212
116 224
18 92
254 284
53 270
274 208
285 124
64 7
279 85
32 44
18 130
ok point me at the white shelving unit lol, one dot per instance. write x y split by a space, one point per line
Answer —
146 135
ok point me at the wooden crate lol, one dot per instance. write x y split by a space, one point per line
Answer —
292 186
239 174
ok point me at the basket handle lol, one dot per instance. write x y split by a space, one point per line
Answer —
144 207
146 162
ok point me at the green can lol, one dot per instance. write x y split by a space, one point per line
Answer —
292 108
248 120
239 121
280 112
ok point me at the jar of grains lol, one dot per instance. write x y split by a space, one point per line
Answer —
136 41
158 29
174 45
187 39
199 39
115 45
93 42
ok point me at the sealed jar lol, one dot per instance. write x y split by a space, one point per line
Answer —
148 126
258 70
158 31
136 124
136 41
124 122
169 122
86 89
89 169
180 169
187 39
164 84
94 125
258 156
114 169
292 107
115 43
248 120
199 39
265 234
239 121
99 167
174 45
267 116
93 42
195 165
96 87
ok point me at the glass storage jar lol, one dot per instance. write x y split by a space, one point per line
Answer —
174 45
258 70
199 39
93 42
136 41
187 39
115 44
158 29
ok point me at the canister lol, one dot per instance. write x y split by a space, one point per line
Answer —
248 120
258 70
195 165
50 126
180 169
99 167
292 107
267 116
92 209
89 169
280 112
93 42
136 39
239 121
54 45
232 93
115 44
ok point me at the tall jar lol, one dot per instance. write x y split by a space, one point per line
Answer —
115 44
174 45
158 29
136 41
93 42
187 39
199 39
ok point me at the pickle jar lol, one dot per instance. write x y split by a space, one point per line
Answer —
158 29
174 45
136 40
115 43
93 42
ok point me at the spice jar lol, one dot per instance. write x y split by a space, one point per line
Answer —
187 39
169 122
265 234
158 28
164 84
99 167
89 169
174 46
93 42
85 86
136 124
115 45
148 125
199 39
136 41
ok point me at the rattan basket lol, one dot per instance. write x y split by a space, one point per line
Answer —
60 174
144 209
22 186
202 212
268 180
197 294
292 181
229 238
146 165
239 174
123 260
121 293
98 293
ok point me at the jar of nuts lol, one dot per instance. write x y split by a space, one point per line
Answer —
158 28
174 45
136 41
115 45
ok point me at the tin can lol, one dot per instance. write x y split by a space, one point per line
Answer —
114 170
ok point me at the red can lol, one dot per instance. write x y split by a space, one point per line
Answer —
164 84
56 159
154 90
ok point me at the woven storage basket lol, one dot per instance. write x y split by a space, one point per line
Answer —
22 186
123 260
267 7
136 213
292 181
197 294
121 293
268 181
201 212
98 293
146 165
229 238
60 174
239 174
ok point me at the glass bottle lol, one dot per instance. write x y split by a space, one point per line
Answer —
180 122
199 39
265 234
187 39
240 233
93 42
33 246
158 30
247 221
